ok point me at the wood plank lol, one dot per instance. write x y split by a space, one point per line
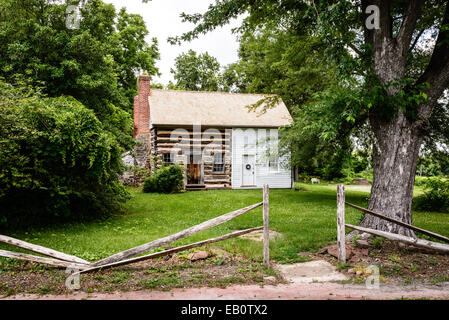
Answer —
266 225
217 145
218 186
180 235
170 139
174 250
406 225
190 137
160 150
426 244
42 250
218 181
53 262
190 132
341 235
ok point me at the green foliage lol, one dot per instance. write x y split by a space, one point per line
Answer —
378 242
57 162
436 196
360 161
196 72
420 181
433 163
165 180
285 63
97 63
319 137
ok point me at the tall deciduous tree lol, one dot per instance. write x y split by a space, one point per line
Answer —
95 60
197 72
402 76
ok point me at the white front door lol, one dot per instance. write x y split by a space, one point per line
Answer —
248 170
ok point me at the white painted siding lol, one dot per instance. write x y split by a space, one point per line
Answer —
255 141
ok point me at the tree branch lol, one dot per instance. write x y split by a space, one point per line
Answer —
408 25
416 40
437 71
386 22
356 50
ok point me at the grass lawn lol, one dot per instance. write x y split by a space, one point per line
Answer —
306 218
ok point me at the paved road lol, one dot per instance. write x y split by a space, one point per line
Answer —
310 291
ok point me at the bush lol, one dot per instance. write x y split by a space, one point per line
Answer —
436 196
57 163
165 180
420 181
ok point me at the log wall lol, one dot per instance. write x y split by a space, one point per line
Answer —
163 140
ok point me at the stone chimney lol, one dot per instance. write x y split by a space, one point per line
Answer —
142 106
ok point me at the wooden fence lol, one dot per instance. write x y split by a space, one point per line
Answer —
414 242
60 259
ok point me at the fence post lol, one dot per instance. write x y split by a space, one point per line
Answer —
266 226
341 237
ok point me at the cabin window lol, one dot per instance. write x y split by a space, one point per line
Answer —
167 158
218 162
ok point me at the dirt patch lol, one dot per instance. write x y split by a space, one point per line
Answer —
258 236
312 271
220 269
397 265
361 182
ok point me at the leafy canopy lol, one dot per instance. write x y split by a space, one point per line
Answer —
96 64
197 72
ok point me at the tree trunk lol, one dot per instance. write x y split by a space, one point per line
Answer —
395 155
397 141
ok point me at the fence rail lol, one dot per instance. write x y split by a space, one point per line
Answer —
126 257
403 224
341 236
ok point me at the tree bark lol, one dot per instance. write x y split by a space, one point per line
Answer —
395 155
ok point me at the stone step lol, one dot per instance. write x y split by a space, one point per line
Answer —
195 187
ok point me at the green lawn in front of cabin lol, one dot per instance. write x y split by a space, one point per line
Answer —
306 218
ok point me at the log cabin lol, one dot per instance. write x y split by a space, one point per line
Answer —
220 142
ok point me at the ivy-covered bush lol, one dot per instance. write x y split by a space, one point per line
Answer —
436 196
57 163
165 180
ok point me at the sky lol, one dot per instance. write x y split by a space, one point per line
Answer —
162 18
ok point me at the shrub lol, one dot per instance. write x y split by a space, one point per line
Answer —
165 180
57 163
436 196
420 181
